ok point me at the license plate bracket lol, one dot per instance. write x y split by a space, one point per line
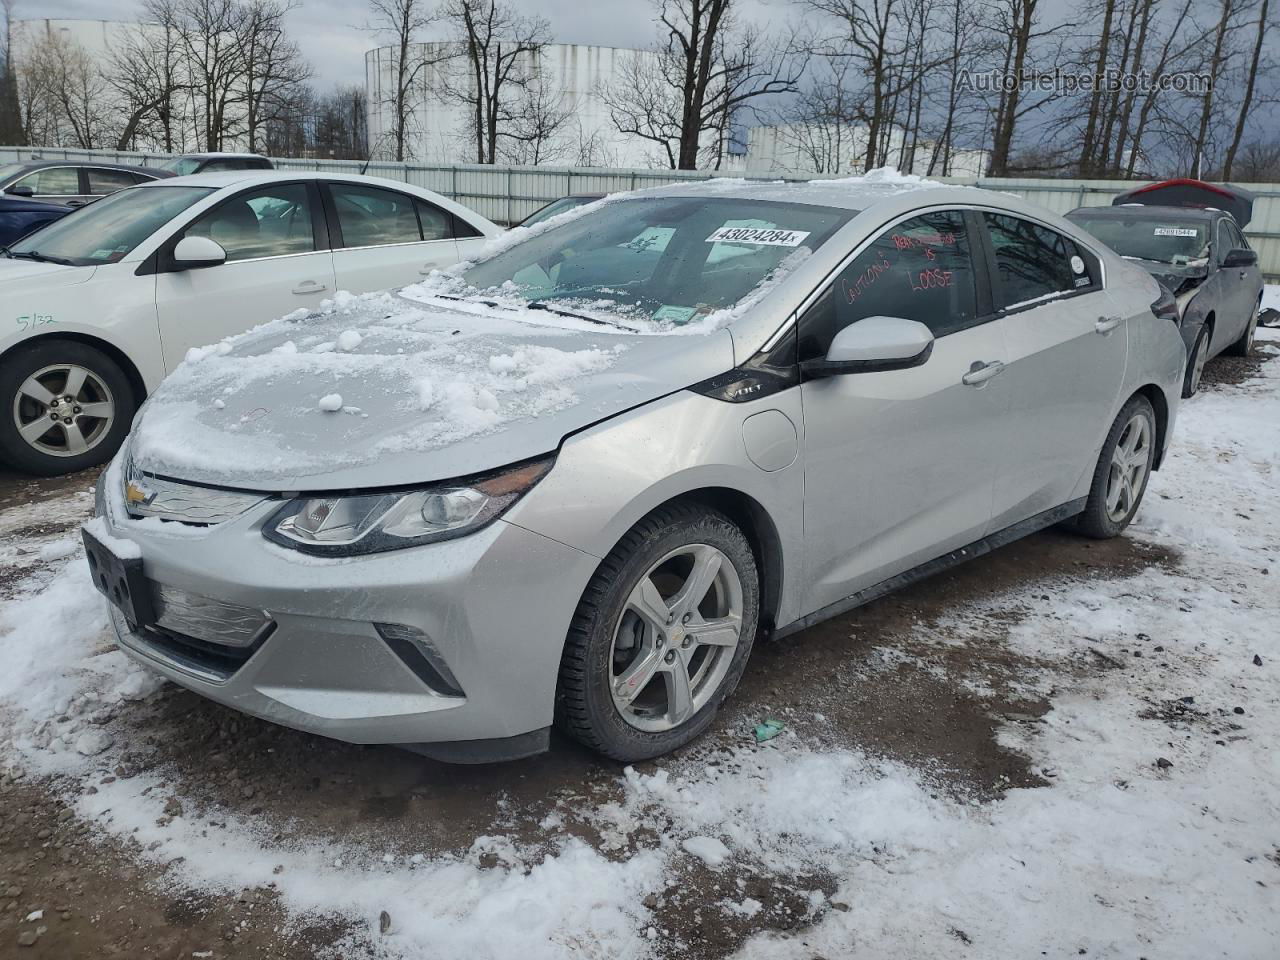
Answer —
120 580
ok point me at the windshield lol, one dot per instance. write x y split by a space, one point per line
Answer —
1148 238
105 231
182 166
669 260
9 169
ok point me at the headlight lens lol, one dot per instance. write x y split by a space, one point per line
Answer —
374 522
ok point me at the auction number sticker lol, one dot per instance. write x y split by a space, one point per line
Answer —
1177 232
760 236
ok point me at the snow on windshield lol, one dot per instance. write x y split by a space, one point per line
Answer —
688 258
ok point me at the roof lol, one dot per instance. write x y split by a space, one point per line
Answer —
216 155
849 193
229 178
104 165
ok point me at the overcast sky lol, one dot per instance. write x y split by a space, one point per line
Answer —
328 30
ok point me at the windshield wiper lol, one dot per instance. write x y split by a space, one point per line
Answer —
540 305
40 257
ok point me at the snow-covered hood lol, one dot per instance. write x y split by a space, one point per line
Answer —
40 274
381 391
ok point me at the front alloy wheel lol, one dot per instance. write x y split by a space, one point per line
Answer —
63 410
676 637
661 635
64 406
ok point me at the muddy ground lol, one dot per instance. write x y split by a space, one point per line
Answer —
858 680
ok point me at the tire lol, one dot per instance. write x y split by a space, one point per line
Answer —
1244 346
1195 364
1101 519
611 642
32 381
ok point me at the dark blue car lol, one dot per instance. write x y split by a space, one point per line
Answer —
19 216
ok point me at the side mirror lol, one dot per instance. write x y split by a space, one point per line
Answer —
1240 258
873 344
20 190
191 253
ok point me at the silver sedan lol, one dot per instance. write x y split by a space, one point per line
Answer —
572 483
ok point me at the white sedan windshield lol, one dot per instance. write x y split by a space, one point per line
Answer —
106 231
669 260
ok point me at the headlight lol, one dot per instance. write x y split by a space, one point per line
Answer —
370 523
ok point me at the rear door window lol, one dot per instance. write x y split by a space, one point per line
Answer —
102 182
1034 263
370 216
435 223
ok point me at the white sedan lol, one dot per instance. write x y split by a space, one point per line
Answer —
97 307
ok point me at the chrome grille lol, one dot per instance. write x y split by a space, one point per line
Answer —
149 496
213 621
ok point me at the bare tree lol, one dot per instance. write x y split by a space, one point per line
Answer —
1215 65
816 125
499 53
403 21
704 73
968 44
1250 88
1018 21
12 129
212 42
62 93
532 132
274 71
146 71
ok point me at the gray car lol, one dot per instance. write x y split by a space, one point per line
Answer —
1199 253
573 483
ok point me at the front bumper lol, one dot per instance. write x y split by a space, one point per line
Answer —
494 606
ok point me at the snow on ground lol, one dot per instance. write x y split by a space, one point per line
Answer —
1158 834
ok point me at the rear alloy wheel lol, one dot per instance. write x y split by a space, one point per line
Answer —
1244 346
69 407
1195 364
1121 475
661 636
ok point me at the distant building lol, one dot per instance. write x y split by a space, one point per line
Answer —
835 149
571 77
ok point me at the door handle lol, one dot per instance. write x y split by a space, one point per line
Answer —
309 286
979 373
1106 324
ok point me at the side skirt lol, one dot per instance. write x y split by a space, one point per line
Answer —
945 562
